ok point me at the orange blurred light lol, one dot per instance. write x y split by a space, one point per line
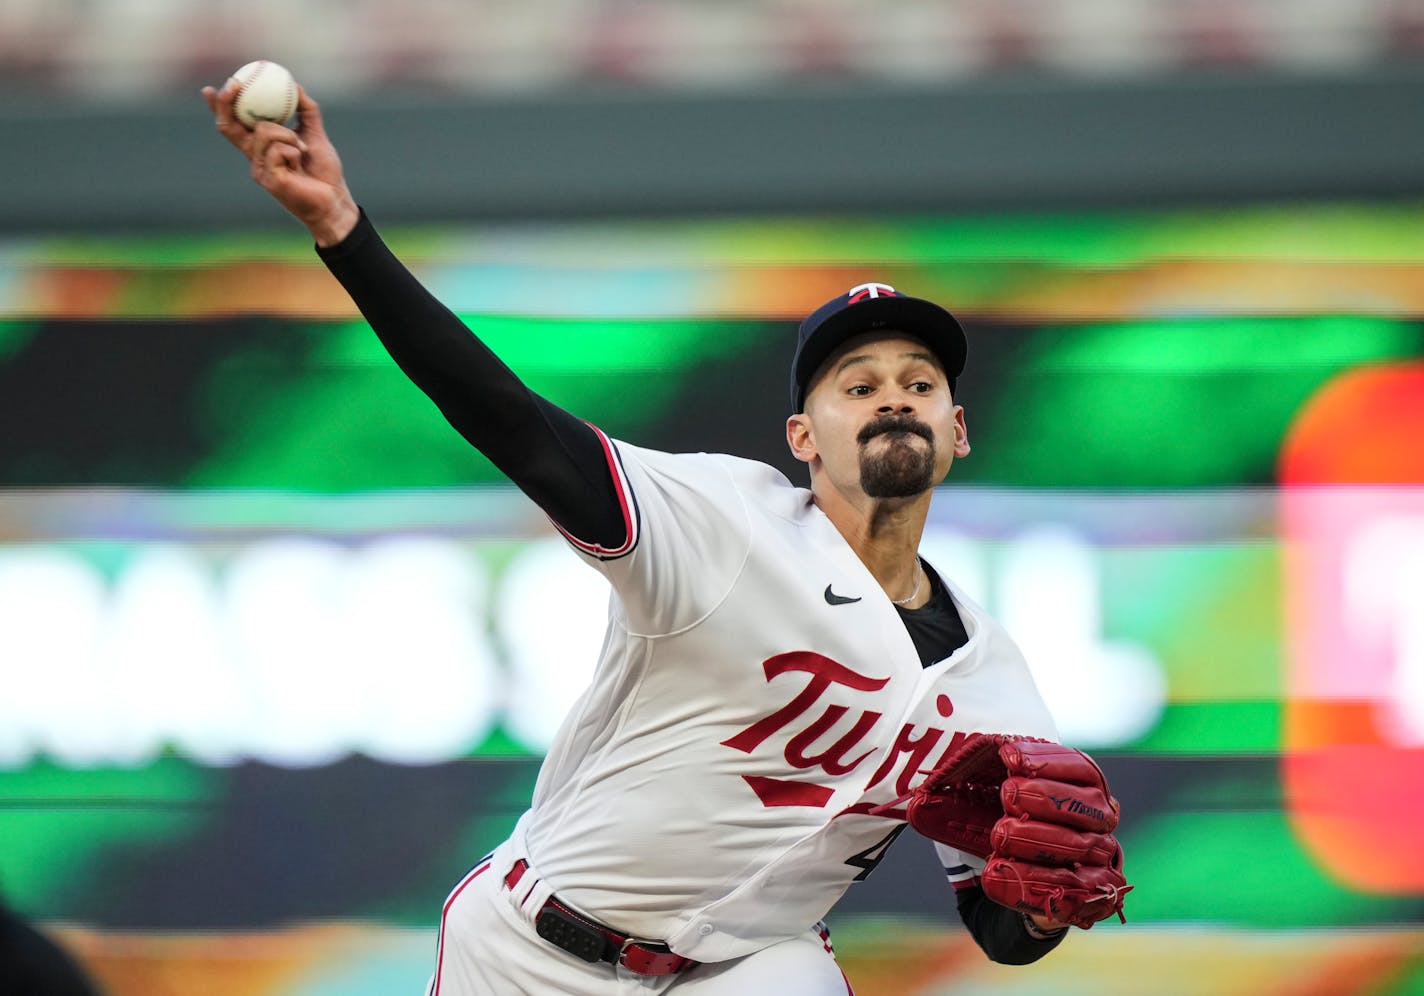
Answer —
1352 517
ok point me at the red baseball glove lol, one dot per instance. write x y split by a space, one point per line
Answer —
1042 815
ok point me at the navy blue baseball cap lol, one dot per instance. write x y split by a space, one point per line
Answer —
869 308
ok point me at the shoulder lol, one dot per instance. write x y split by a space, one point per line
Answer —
756 479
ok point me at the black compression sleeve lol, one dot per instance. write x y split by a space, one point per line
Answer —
1000 931
556 459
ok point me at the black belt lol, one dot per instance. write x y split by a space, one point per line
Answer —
592 941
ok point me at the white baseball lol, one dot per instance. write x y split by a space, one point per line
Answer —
268 93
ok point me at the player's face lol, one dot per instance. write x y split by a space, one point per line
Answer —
879 419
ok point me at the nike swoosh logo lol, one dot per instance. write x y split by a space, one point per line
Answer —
833 599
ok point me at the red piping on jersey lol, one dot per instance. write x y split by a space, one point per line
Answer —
444 912
620 484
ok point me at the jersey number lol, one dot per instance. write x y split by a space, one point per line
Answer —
868 859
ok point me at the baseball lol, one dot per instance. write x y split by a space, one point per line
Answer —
268 93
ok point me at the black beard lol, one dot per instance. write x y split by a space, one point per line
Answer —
897 470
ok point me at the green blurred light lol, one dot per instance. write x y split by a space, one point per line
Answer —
1408 981
535 346
1200 728
1217 346
341 415
1241 868
1327 232
14 336
1169 403
1209 611
1341 231
61 827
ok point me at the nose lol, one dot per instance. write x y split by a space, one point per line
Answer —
897 403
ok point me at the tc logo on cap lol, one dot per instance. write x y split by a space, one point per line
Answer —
862 291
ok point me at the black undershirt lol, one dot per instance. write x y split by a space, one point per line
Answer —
558 461
935 627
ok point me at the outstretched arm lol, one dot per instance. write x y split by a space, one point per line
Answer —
561 462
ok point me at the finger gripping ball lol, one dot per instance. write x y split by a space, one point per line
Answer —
266 92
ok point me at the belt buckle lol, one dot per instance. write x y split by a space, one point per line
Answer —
646 957
629 942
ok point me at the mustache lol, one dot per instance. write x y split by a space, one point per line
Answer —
894 423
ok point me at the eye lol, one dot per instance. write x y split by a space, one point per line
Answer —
922 387
859 390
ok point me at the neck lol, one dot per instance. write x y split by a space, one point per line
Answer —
885 535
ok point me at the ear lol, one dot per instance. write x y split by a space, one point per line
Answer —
800 438
961 433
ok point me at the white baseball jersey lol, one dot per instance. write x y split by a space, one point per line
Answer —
756 697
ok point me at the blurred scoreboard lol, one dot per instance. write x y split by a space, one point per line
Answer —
252 585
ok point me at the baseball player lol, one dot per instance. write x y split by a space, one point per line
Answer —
779 667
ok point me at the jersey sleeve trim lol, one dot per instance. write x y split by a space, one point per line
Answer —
627 502
961 877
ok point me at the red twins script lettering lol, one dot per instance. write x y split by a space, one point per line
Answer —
909 751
